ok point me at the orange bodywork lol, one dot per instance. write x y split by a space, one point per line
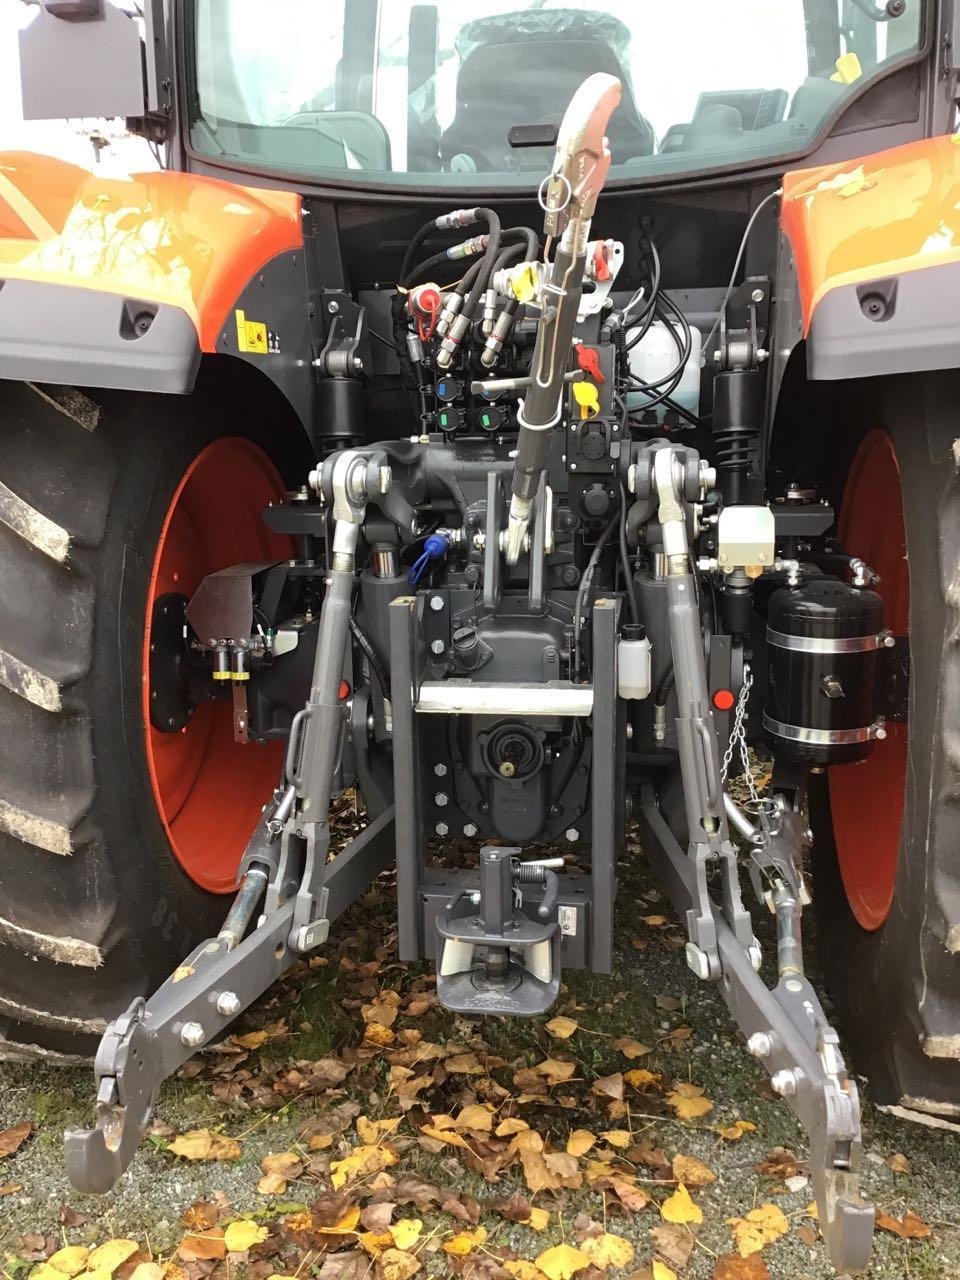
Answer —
865 219
173 238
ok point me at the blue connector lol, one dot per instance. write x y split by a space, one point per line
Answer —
435 548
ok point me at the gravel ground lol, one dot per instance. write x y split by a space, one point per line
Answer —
156 1190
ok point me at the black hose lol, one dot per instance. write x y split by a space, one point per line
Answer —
646 313
629 585
584 587
420 238
642 511
372 657
486 263
667 681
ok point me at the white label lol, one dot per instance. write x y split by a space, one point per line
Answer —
567 917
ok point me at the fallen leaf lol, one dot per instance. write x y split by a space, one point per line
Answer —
758 1228
475 1116
108 1256
608 1250
734 1267
734 1132
201 1248
609 1086
507 1128
562 1262
674 1039
347 1223
554 1070
538 1220
688 1101
640 1078
241 1235
362 1160
781 1162
201 1215
579 1142
9 1188
909 1227
661 1271
655 922
203 1144
397 1265
520 1269
680 1208
406 1232
898 1164
12 1140
147 1271
69 1261
691 1171
464 1242
561 1028
674 1241
630 1048
278 1170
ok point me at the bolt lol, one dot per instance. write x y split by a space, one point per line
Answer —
756 955
440 770
572 834
573 466
386 479
507 769
440 799
436 603
333 307
757 295
785 1082
228 1004
697 961
437 647
441 828
191 1034
760 1044
469 829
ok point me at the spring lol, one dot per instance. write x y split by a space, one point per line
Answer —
735 448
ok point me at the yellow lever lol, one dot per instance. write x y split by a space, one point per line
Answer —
587 397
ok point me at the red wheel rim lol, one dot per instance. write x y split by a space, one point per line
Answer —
209 789
867 799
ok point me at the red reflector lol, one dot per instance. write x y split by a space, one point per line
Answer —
344 690
723 699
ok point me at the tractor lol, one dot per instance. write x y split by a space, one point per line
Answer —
539 420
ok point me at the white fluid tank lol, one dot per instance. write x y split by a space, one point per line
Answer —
655 356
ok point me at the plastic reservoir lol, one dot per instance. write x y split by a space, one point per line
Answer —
655 356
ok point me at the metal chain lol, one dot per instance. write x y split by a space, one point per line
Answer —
738 737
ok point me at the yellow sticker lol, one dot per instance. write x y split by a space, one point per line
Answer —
848 69
251 336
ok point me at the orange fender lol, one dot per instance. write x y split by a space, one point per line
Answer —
169 238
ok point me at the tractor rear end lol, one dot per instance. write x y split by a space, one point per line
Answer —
586 510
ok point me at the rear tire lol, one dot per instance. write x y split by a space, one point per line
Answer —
94 907
895 982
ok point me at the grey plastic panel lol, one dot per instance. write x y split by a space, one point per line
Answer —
87 68
78 337
915 328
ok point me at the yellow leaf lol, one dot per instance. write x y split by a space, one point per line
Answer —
580 1142
203 1144
538 1219
758 1228
107 1257
464 1242
640 1077
734 1132
523 1270
406 1232
397 1265
369 1131
692 1172
507 1128
343 1225
361 1160
660 1271
476 1116
680 1208
252 1040
619 1138
608 1250
655 922
688 1101
561 1028
376 1033
69 1261
147 1271
555 1070
240 1236
562 1261
630 1048
374 1243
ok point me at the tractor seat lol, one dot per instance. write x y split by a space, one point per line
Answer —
543 56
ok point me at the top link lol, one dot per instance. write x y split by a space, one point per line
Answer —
583 156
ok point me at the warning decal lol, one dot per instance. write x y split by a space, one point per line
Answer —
251 336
